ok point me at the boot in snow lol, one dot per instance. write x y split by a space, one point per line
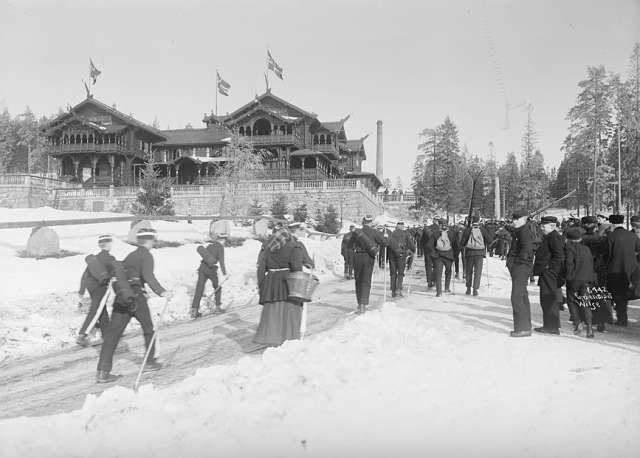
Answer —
152 365
106 377
195 314
589 331
468 292
83 340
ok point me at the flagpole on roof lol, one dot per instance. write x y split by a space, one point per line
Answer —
217 92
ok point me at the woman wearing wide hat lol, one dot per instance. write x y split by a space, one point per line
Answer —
281 317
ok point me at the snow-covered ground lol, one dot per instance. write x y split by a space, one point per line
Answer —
420 377
38 298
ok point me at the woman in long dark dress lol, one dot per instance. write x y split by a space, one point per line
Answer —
280 319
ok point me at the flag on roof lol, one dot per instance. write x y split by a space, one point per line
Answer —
86 88
223 86
273 65
93 72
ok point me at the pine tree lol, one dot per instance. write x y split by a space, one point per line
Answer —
255 210
154 196
331 221
7 140
509 174
590 125
300 214
279 206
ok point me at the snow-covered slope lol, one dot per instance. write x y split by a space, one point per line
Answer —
403 381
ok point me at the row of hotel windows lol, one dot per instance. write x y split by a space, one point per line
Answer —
107 139
257 130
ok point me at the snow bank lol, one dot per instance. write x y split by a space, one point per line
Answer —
395 382
38 298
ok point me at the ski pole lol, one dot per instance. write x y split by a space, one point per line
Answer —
103 303
153 339
486 258
212 295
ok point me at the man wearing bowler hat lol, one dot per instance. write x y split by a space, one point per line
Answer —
548 264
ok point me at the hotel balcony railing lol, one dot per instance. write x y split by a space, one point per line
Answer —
95 148
326 148
273 139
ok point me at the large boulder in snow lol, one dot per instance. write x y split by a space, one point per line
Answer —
43 242
135 227
221 228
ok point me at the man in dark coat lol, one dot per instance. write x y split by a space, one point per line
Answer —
97 288
400 246
548 266
365 242
579 275
442 255
212 258
624 247
474 242
519 262
428 243
347 253
139 267
599 247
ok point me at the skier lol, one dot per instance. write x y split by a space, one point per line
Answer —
428 243
212 256
519 262
549 260
400 247
281 317
624 247
474 240
442 254
580 275
139 266
95 280
366 242
347 253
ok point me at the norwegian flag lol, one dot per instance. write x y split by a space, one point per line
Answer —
223 86
273 65
93 72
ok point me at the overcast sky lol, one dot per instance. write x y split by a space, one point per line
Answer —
408 63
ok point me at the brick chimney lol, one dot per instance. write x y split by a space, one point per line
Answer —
379 171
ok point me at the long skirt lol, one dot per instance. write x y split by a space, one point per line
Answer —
279 321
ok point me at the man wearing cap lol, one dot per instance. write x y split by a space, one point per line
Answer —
519 263
400 246
97 288
346 250
139 266
365 241
212 257
428 242
624 247
549 260
474 242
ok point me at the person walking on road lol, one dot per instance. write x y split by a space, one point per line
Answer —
442 254
474 240
366 242
96 284
212 259
139 266
400 247
346 250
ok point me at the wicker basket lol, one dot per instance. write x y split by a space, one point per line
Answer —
302 285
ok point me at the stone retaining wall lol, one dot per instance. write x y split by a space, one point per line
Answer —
351 198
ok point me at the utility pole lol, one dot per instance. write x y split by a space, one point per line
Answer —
596 149
619 176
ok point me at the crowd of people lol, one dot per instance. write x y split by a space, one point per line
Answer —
595 258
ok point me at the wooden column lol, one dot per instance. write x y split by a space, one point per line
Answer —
112 163
76 167
94 163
